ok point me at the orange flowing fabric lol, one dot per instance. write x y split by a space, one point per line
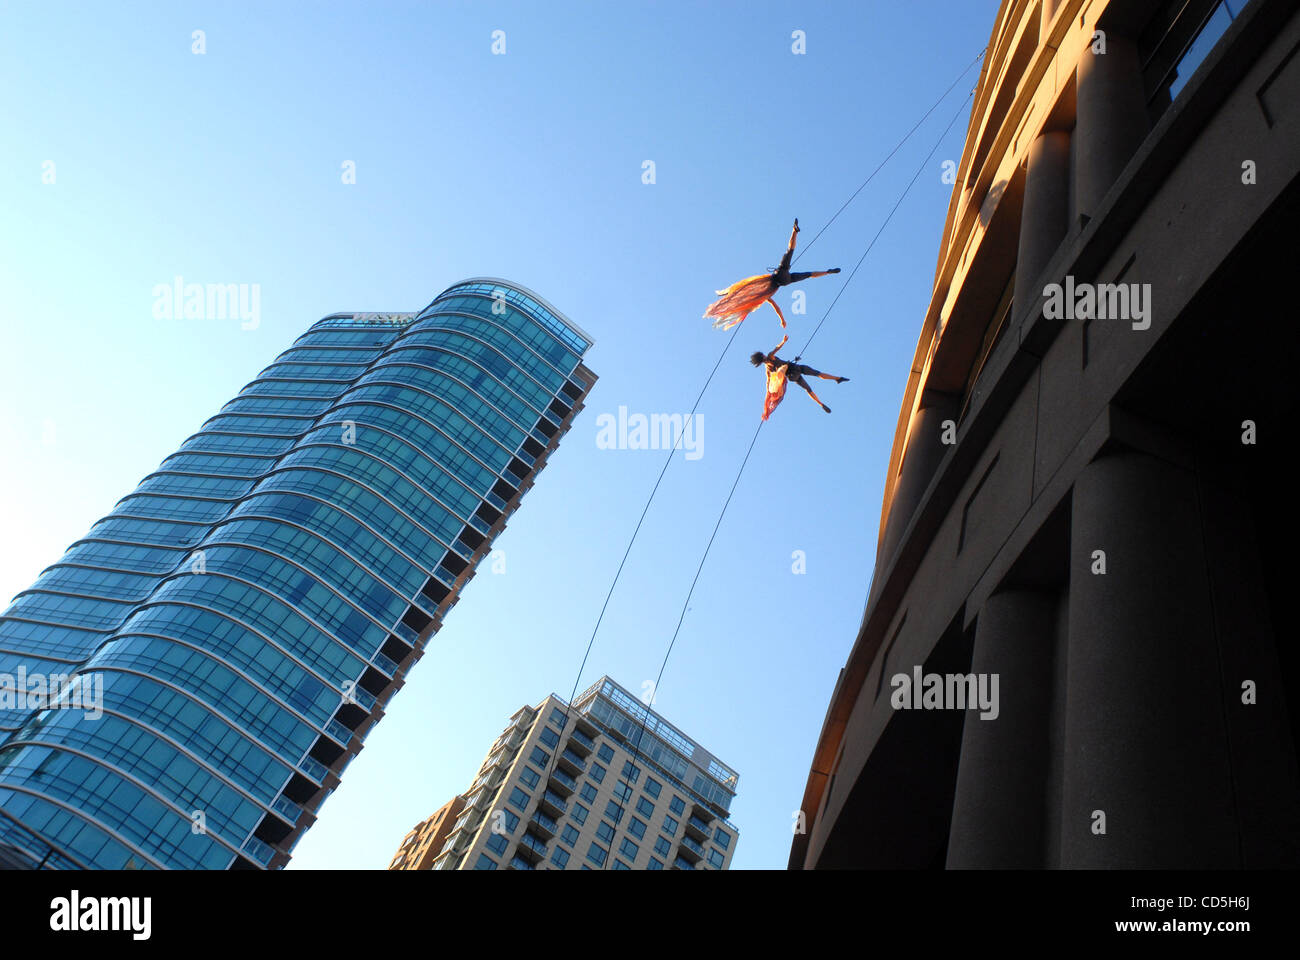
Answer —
775 389
739 300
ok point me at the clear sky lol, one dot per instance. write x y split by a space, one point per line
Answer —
227 167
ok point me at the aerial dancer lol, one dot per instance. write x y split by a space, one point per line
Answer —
741 298
779 372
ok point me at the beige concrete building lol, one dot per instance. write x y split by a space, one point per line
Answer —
563 788
1090 493
425 840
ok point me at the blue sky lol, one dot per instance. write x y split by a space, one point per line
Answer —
226 167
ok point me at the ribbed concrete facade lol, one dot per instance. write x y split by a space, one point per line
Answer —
1088 504
604 784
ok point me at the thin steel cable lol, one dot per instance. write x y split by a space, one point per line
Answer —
654 690
891 153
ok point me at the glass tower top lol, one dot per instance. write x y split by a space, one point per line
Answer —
186 685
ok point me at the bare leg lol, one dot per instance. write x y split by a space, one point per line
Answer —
793 233
807 371
778 312
803 383
796 277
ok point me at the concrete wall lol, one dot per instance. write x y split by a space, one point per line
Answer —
1122 691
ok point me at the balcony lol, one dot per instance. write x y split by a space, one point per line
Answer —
691 850
531 848
314 769
519 863
680 864
581 743
563 783
361 697
544 824
702 810
259 851
496 501
553 804
339 732
287 809
697 828
385 664
479 524
573 762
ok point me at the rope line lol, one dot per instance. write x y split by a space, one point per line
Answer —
891 153
890 217
635 745
668 460
654 690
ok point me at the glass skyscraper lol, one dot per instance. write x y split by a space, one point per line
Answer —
212 654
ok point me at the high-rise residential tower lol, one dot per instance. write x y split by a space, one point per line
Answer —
240 621
1089 510
426 838
604 784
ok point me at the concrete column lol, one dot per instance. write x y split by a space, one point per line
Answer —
1111 118
999 809
925 448
1045 23
1044 216
1145 738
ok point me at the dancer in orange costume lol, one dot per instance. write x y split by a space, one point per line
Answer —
741 298
779 372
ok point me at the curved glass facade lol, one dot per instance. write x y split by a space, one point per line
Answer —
186 685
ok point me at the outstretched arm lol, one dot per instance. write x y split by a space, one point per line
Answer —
771 354
778 312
